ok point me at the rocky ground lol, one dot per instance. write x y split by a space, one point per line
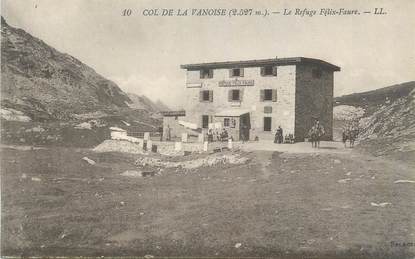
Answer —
71 201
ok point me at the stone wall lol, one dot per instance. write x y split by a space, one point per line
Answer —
283 110
314 99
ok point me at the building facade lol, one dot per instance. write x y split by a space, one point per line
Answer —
252 98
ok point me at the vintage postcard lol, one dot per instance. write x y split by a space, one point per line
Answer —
207 129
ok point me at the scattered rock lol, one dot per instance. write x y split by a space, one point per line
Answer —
148 256
37 129
148 173
122 146
404 181
383 204
132 173
336 161
238 245
344 180
208 161
83 125
13 115
89 161
349 173
36 179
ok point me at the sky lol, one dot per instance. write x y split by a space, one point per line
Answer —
143 54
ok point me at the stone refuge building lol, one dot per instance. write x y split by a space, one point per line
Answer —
252 98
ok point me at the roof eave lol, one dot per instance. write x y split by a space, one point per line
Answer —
253 63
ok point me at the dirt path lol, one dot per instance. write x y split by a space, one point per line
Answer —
278 204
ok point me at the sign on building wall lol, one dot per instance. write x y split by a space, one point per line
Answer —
194 85
230 83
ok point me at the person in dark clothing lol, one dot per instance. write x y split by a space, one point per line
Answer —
161 133
243 136
224 135
210 135
168 133
279 136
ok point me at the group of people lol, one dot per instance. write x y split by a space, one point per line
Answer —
314 134
279 137
219 136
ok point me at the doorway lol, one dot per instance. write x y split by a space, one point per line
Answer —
205 121
267 123
244 127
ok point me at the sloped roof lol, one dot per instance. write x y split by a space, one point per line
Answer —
261 62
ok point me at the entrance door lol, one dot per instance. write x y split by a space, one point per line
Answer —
205 121
267 123
245 126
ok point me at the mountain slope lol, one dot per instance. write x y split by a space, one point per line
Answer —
387 120
372 100
162 106
40 80
142 102
51 98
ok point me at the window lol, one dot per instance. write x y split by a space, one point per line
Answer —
269 71
226 122
267 123
206 96
235 95
206 73
317 73
236 72
268 95
205 121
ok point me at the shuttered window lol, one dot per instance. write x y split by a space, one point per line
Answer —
274 95
268 95
206 73
226 122
206 96
269 71
235 95
236 72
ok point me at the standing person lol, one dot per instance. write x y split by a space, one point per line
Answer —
210 135
161 133
243 136
168 135
319 132
278 135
